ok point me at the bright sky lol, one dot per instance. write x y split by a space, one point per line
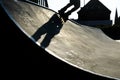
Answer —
110 4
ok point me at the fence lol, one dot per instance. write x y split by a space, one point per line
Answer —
40 2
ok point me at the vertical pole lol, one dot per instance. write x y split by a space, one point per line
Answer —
84 2
41 2
38 2
46 3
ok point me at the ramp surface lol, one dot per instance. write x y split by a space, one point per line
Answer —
84 47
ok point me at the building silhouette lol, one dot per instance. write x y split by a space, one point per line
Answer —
117 19
114 30
94 13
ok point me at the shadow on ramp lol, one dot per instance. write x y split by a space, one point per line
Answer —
51 28
83 47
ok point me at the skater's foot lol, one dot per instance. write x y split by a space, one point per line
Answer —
66 15
61 12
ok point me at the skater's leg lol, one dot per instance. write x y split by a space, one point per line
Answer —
46 41
70 11
73 9
65 8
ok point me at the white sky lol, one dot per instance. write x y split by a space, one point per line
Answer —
110 4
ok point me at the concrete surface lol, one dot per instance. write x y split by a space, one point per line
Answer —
84 47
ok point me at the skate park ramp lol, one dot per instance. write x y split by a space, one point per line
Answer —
84 47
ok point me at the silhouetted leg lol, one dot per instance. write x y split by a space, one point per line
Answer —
64 8
46 41
73 9
38 33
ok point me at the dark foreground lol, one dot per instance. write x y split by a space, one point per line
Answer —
23 58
